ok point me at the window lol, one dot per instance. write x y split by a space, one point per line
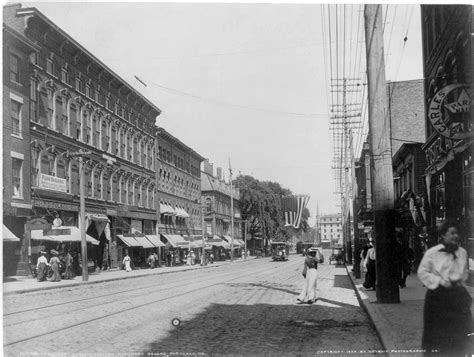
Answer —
16 117
14 68
17 180
65 76
79 85
50 66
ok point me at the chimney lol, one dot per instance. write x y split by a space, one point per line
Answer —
208 167
219 173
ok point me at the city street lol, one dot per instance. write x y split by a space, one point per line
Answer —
238 308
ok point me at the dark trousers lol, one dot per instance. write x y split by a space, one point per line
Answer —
370 276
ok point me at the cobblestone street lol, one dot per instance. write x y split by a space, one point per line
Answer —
240 308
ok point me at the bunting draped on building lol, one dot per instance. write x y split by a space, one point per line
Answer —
293 207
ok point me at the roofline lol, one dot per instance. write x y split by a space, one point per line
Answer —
34 11
175 140
20 37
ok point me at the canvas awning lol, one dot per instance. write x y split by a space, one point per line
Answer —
129 241
167 209
180 212
144 242
176 240
155 240
67 234
8 236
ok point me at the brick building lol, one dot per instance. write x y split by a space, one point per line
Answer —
71 102
216 197
447 69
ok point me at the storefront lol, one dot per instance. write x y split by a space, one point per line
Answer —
139 247
449 175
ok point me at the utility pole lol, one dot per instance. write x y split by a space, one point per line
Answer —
231 215
381 171
82 210
203 252
342 122
245 238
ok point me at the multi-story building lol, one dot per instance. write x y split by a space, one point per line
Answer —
447 70
216 197
330 226
71 104
179 179
16 141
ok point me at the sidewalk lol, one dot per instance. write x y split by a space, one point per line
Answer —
23 284
399 326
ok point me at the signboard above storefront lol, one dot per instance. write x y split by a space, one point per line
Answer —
449 112
52 183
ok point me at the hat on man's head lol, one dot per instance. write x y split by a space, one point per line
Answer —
312 249
43 252
54 252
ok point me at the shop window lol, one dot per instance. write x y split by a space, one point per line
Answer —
14 68
17 177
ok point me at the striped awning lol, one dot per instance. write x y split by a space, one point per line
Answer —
144 242
175 240
129 241
155 240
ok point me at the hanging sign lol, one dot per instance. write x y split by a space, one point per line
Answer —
449 112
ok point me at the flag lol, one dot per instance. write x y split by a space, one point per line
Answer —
293 207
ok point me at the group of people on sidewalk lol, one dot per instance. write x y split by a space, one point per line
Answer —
54 268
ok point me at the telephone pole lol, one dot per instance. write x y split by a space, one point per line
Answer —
345 118
381 171
82 210
231 215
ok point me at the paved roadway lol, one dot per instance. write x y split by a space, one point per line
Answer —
246 308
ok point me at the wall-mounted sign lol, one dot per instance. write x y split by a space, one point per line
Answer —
52 183
449 112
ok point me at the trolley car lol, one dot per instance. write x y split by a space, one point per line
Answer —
280 251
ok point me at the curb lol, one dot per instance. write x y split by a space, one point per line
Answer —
125 277
369 310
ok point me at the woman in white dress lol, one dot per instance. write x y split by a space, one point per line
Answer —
308 294
126 262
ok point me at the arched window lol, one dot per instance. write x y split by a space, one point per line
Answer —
95 130
129 147
114 140
136 154
97 187
74 123
74 178
208 204
104 136
86 128
58 114
130 191
143 152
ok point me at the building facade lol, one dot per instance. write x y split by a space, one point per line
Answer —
330 226
16 142
216 198
70 103
179 183
447 70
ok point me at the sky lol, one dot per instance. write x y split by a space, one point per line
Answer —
241 82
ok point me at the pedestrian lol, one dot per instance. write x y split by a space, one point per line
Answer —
243 254
126 262
68 263
157 261
447 319
54 263
308 293
401 262
168 258
151 261
211 258
370 277
42 266
248 253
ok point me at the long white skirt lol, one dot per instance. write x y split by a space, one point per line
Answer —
309 289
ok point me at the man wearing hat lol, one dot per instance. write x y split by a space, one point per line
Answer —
54 262
308 294
41 266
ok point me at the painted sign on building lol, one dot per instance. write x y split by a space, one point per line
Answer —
52 183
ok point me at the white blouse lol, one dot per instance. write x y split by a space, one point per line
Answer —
437 266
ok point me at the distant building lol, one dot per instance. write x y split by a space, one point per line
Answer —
216 197
330 226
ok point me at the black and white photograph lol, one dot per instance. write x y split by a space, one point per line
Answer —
237 179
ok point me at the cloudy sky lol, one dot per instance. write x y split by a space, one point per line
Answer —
241 81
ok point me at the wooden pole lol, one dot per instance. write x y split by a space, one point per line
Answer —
82 219
381 171
231 215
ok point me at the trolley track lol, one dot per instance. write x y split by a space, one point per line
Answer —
221 279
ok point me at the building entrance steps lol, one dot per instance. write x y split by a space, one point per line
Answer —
24 284
399 326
